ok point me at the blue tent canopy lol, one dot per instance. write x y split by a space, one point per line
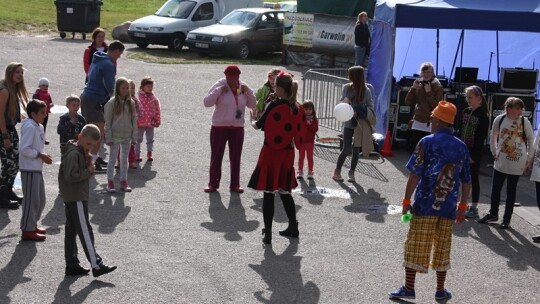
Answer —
496 15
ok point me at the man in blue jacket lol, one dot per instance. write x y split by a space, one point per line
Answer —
98 90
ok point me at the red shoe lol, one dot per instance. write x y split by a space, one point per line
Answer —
40 230
32 236
209 189
237 190
138 158
149 156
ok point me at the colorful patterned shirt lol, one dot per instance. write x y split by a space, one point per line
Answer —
442 162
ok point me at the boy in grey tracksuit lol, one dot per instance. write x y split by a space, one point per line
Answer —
76 167
31 159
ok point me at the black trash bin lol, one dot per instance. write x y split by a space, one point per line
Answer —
77 16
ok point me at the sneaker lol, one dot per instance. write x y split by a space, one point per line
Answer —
310 175
300 174
337 176
125 186
210 189
110 187
443 294
99 169
149 156
76 270
472 212
504 225
517 204
100 161
488 218
32 236
402 293
138 158
351 177
103 269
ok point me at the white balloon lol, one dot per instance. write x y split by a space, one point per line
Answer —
343 112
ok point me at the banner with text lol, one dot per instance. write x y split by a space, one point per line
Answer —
298 29
321 33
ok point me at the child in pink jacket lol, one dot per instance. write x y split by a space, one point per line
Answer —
149 117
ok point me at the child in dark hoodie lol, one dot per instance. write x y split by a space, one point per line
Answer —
75 170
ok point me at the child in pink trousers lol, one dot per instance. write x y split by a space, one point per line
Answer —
149 117
308 146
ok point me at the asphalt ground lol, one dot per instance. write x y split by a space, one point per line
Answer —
173 243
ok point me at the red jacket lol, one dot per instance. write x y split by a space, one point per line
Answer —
149 111
43 96
88 54
311 130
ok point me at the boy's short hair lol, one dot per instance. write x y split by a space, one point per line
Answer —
514 103
34 106
71 98
116 45
91 131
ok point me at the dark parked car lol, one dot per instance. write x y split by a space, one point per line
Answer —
242 33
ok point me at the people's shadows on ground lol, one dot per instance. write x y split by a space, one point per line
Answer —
279 214
109 215
13 273
510 244
141 175
229 220
371 203
63 293
283 276
56 217
310 192
4 219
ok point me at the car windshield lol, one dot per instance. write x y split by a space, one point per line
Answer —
176 9
239 18
289 7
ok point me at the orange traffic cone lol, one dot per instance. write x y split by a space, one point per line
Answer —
387 146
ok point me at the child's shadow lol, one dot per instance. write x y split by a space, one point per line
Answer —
63 293
55 217
108 215
310 192
370 202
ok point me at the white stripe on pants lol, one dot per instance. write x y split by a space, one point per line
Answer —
113 153
149 139
34 199
77 223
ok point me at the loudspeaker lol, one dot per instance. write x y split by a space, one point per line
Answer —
519 80
496 106
403 114
459 100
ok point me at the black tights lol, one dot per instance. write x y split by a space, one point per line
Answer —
268 208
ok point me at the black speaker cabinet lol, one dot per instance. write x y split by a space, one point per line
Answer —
497 105
519 80
403 114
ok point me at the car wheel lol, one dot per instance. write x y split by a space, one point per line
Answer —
243 50
177 42
83 36
62 35
142 45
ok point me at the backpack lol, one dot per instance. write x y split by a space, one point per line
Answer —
522 127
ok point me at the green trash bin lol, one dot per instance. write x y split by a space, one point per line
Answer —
77 16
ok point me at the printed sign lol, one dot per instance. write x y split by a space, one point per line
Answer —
298 29
334 34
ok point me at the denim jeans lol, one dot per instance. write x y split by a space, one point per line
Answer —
496 187
347 146
360 55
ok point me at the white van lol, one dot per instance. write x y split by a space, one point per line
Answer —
171 23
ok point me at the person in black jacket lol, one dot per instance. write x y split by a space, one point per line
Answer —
362 40
473 132
71 123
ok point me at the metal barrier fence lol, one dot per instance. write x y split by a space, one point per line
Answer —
324 87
